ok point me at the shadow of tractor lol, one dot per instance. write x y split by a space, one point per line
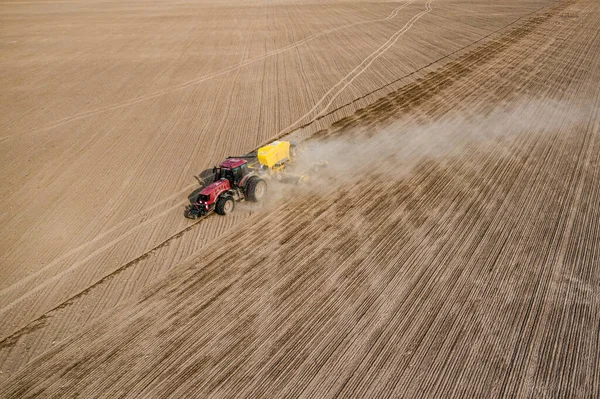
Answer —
204 178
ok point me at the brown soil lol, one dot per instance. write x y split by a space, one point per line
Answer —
453 254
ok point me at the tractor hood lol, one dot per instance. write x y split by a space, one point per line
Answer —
210 193
216 188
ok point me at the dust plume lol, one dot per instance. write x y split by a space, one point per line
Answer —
397 149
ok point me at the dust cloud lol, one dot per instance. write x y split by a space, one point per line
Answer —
397 149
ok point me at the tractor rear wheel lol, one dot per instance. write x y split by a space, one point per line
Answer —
256 188
225 205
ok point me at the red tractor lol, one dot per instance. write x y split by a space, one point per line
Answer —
233 181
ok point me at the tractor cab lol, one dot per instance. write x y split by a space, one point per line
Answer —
232 169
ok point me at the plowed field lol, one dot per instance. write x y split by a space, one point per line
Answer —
450 248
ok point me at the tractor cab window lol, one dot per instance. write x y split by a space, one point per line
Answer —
238 173
225 174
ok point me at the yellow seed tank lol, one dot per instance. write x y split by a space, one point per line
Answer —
274 153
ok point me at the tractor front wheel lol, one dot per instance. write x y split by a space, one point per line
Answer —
225 205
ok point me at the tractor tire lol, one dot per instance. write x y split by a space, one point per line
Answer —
225 205
256 188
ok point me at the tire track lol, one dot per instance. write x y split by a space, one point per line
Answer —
357 71
211 76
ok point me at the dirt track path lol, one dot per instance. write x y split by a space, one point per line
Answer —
469 270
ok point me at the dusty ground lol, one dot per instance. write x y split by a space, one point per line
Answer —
451 248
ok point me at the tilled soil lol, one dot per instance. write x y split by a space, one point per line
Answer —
99 149
451 252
